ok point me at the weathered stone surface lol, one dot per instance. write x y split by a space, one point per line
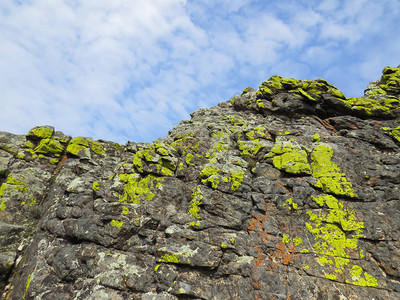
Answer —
290 191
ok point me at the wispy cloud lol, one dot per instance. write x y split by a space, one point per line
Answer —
130 70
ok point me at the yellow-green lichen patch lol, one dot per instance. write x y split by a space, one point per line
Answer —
49 146
28 283
174 258
189 156
223 245
330 179
194 208
54 161
394 132
41 132
95 186
309 90
330 276
77 144
9 187
125 210
336 232
291 204
285 239
362 279
210 175
137 188
237 179
3 205
316 138
155 159
289 157
97 148
117 223
368 105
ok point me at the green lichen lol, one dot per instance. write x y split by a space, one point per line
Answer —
117 223
97 148
174 258
13 184
289 157
316 138
291 204
156 268
41 132
54 161
194 208
49 146
29 145
394 132
237 179
248 148
125 210
367 280
95 186
330 276
28 283
137 188
223 245
330 179
210 175
297 241
336 232
260 104
155 159
308 90
3 205
285 239
76 145
189 156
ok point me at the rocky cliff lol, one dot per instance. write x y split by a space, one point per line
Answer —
290 191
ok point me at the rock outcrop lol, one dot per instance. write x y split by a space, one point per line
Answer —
290 191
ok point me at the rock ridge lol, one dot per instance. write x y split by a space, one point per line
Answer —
290 191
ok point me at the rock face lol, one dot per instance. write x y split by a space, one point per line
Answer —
291 191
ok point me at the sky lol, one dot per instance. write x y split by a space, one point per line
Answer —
130 70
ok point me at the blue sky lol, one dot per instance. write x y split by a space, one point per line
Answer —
130 70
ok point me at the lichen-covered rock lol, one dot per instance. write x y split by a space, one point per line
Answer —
290 191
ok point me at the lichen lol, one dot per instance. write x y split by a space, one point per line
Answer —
28 283
194 207
41 132
49 146
95 186
174 258
137 188
291 204
209 175
330 179
237 179
336 233
97 148
368 280
76 145
117 223
289 157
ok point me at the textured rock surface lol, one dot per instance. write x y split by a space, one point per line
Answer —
290 191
